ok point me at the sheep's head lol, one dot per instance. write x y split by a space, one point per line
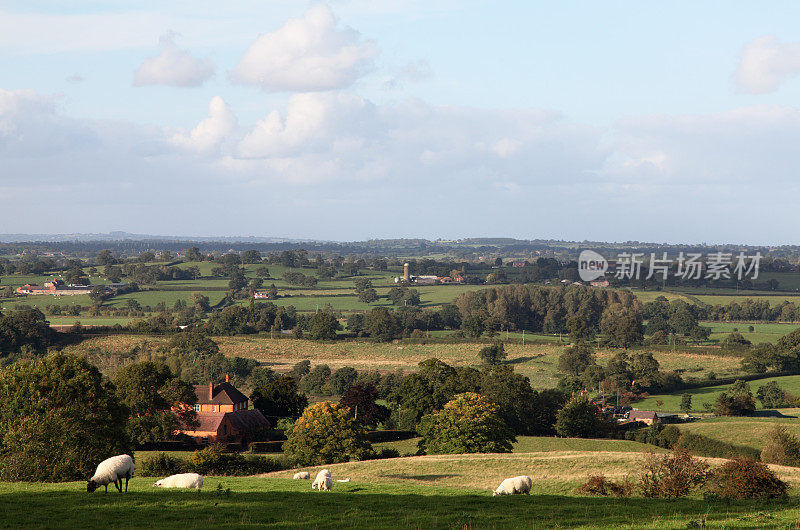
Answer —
157 484
495 493
91 486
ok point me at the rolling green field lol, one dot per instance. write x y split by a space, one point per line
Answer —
789 383
762 332
450 491
750 431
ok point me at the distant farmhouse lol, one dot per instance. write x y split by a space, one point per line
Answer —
58 288
223 415
426 280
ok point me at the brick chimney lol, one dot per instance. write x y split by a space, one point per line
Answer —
227 379
210 391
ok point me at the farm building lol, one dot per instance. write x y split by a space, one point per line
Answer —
645 416
223 415
56 287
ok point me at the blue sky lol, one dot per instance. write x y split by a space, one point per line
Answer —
352 119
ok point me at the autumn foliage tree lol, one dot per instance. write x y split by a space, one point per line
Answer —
326 433
469 423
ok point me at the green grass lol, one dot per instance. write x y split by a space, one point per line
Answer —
751 432
450 491
762 332
789 383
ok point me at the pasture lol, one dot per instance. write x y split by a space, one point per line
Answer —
749 431
539 361
708 394
448 491
762 331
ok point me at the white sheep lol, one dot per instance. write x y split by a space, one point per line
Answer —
323 482
181 480
514 486
302 475
112 469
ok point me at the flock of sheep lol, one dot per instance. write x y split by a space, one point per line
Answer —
120 467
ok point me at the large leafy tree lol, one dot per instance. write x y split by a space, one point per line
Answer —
360 398
469 423
323 326
58 420
579 418
159 402
279 399
326 433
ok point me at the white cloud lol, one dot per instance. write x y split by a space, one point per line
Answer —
207 136
173 67
307 54
767 62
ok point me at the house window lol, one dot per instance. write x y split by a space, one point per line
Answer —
196 408
213 408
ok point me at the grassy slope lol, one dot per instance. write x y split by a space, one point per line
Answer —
789 383
742 431
536 361
419 492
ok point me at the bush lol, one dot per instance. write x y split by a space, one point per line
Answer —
671 475
744 478
161 465
387 452
703 446
781 448
493 354
600 485
213 461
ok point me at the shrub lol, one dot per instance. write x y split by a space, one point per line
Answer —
704 446
771 395
162 464
493 354
671 475
744 478
600 485
781 447
387 452
326 433
213 461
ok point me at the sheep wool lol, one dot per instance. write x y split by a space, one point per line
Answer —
323 482
302 475
112 469
181 480
514 486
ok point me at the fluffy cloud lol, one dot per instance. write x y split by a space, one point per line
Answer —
767 62
306 54
173 67
207 136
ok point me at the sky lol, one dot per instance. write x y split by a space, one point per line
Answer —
659 121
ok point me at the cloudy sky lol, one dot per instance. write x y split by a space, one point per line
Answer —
353 119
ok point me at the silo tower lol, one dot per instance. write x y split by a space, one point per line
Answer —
406 274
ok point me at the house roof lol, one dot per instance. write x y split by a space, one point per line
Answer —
642 415
246 420
209 421
224 394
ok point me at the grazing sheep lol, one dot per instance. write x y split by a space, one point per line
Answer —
323 481
514 486
112 469
181 480
302 475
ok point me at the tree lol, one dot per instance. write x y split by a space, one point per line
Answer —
622 326
382 324
326 433
105 257
279 398
771 395
576 359
342 379
368 296
686 403
469 423
737 401
579 418
98 294
193 254
781 447
323 326
493 354
159 403
316 380
736 341
58 420
360 398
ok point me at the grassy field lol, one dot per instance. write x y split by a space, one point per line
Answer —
762 332
743 431
789 383
537 361
451 491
